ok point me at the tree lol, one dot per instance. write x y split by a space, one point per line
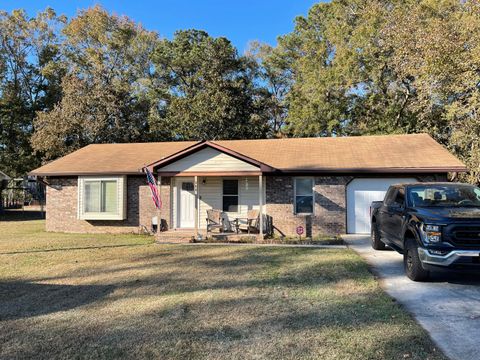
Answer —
211 90
29 82
367 67
438 47
343 80
105 89
124 84
276 79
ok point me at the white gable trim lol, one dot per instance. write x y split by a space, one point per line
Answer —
208 160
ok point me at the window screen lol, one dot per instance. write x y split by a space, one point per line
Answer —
101 196
92 196
109 197
230 195
304 196
187 186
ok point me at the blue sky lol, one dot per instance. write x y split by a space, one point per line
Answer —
239 21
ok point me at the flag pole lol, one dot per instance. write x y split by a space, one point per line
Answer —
155 188
159 209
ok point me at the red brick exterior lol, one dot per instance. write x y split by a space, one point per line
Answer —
165 193
62 203
329 213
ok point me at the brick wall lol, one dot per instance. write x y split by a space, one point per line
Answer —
330 204
329 218
62 202
165 192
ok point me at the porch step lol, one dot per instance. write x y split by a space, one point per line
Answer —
174 236
229 237
183 236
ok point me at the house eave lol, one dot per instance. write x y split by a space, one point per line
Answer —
266 171
382 170
83 173
209 173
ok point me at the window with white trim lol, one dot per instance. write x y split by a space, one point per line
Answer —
230 195
101 198
304 195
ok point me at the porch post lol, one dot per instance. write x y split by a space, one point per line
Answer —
260 202
159 211
195 186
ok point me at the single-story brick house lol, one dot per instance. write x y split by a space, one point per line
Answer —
323 184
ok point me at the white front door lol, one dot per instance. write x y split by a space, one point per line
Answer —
360 194
186 203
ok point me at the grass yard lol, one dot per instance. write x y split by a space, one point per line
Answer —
105 296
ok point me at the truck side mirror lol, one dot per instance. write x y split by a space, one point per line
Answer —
397 205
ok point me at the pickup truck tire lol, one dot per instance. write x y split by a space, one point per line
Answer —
377 244
412 264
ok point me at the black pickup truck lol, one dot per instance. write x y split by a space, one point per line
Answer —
434 225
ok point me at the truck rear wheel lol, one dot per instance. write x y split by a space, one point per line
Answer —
377 244
412 264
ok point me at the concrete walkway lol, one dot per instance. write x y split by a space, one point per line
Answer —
448 306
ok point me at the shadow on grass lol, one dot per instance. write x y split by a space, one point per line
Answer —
265 269
69 249
20 215
276 328
286 315
23 299
269 310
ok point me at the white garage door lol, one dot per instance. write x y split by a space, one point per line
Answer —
360 194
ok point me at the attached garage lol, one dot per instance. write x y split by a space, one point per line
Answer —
360 194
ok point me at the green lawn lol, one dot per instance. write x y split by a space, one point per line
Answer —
106 296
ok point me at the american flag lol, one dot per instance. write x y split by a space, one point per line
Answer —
153 189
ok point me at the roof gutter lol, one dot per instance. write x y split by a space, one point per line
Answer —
374 170
287 171
87 173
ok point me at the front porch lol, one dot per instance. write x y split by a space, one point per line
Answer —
234 197
209 177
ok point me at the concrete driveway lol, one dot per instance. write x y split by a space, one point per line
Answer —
448 307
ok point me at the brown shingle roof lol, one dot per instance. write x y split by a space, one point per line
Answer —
385 153
111 158
415 151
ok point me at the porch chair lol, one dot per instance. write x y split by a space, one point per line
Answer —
217 219
227 224
214 220
250 223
